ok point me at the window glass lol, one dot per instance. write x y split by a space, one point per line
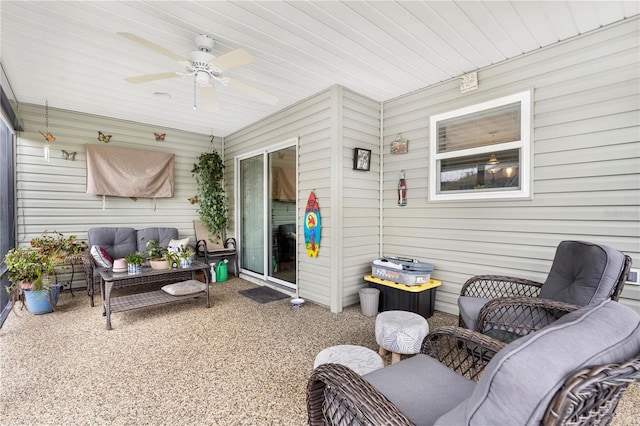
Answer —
481 151
480 172
489 127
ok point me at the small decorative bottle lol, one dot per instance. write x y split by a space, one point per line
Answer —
402 190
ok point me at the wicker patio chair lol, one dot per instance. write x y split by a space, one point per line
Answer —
464 377
209 250
91 275
582 274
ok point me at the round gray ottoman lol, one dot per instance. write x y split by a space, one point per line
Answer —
358 358
400 332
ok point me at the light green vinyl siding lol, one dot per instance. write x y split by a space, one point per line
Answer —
52 196
586 166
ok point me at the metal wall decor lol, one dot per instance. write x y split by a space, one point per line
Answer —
103 138
469 82
47 136
71 156
400 145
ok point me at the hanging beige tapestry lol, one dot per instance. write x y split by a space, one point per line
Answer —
124 172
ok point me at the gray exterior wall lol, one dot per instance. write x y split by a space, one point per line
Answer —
52 196
328 126
586 168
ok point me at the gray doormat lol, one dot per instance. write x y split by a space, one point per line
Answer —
263 294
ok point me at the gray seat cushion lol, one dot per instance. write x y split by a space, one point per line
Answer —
520 380
470 307
583 273
162 235
118 242
422 388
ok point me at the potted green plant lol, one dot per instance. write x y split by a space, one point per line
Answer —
55 243
157 255
213 204
30 275
134 262
173 260
185 256
62 250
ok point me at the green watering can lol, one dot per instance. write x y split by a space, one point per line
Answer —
221 271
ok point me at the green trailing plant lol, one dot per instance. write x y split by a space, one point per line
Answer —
28 269
135 259
50 243
173 259
184 252
212 201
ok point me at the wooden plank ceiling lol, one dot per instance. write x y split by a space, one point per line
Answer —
68 52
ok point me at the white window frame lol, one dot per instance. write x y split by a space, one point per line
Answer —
524 144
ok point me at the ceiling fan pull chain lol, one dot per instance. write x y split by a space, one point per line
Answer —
195 107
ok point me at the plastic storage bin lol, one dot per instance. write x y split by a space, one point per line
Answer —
420 299
404 271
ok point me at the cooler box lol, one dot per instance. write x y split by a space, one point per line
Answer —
404 271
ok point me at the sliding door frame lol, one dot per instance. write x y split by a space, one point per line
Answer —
266 277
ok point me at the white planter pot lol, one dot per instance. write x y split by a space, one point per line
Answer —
159 263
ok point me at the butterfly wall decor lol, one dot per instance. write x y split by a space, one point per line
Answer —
48 136
71 156
193 200
160 136
103 138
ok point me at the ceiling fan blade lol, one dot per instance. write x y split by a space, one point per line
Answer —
151 77
254 92
233 59
151 45
210 98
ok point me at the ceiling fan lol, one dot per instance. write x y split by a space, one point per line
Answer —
205 68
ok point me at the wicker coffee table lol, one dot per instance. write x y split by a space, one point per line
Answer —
113 280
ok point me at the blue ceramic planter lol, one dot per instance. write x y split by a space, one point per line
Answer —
42 301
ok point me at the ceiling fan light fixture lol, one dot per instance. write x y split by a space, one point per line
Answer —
202 78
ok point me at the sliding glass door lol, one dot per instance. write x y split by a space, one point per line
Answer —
252 213
267 194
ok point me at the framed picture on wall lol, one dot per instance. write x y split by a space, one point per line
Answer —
361 159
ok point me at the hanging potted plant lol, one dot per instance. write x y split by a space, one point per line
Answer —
30 275
157 255
213 203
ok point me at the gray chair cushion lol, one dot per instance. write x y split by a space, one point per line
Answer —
421 387
118 242
162 235
470 307
583 273
521 379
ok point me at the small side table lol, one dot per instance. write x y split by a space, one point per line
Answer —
419 299
358 358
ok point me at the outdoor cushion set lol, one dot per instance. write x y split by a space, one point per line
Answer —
111 243
529 360
580 364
